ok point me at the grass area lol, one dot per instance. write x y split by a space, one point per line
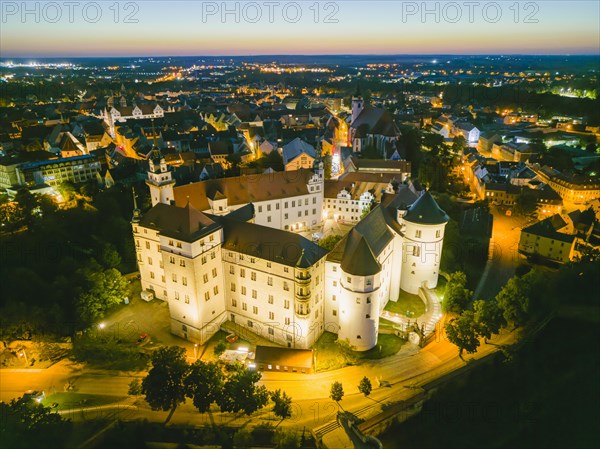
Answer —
70 400
330 355
407 303
208 352
106 352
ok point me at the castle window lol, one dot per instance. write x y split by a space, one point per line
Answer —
438 233
212 237
170 242
270 281
358 337
216 290
177 296
287 321
233 286
255 310
268 264
213 255
243 290
286 287
349 279
187 299
231 269
234 303
250 323
149 260
334 312
152 275
205 278
416 251
242 272
182 263
174 277
367 316
357 300
203 259
253 276
244 306
333 297
254 294
368 300
334 269
206 296
286 304
178 244
147 245
418 233
184 280
214 272
271 331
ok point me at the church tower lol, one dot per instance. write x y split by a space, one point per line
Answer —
160 178
357 104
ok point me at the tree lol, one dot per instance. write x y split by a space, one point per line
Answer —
365 386
242 439
459 143
456 295
204 384
102 290
526 202
327 161
513 300
240 392
462 332
135 388
109 256
330 241
286 439
25 424
220 348
164 386
488 318
282 404
336 392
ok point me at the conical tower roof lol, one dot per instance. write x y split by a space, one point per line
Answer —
426 211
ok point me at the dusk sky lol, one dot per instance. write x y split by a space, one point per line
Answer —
362 27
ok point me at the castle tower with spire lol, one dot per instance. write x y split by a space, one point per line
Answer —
160 178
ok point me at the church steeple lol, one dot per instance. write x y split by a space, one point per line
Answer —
357 103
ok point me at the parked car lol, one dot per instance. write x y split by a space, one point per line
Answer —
34 395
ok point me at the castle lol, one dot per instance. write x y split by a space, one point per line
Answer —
226 249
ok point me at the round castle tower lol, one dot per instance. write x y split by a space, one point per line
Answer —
360 280
423 226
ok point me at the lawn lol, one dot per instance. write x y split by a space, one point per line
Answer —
407 304
68 401
330 355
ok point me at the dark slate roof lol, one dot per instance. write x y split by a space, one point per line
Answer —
181 223
548 228
358 258
426 211
275 245
244 213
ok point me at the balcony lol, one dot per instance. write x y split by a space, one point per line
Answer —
302 296
303 279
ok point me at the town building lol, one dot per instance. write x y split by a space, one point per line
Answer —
543 239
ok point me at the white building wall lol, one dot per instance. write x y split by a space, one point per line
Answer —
359 310
421 255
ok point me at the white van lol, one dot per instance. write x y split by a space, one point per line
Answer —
147 295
